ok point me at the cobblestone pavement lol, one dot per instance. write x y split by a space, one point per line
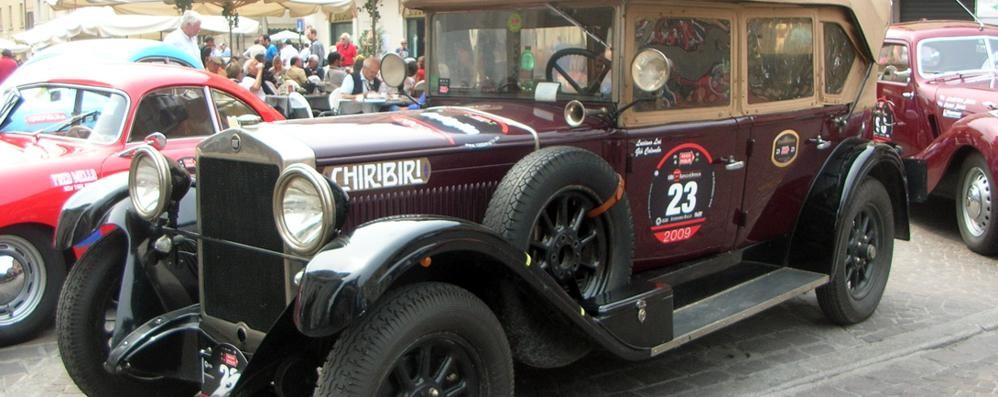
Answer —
935 333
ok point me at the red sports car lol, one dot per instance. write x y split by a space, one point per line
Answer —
67 127
938 91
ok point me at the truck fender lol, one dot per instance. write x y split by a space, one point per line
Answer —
341 283
853 160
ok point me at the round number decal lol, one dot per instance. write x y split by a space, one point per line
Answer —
682 189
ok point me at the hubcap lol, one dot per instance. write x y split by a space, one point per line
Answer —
861 254
22 279
976 202
438 365
571 246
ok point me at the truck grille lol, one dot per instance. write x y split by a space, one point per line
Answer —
235 200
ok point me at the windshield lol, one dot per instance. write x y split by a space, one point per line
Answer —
937 57
510 53
89 114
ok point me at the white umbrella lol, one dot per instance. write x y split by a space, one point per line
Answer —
16 48
286 35
104 22
249 8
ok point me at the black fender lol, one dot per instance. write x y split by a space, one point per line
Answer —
341 283
152 282
853 160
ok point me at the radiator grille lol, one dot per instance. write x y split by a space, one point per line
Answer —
235 199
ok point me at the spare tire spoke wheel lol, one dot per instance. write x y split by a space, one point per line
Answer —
570 245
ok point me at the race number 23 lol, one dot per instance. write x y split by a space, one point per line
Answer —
683 198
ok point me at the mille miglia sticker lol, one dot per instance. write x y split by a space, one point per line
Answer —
380 175
785 148
682 190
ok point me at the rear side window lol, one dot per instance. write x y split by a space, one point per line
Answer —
177 112
780 59
839 57
894 63
230 108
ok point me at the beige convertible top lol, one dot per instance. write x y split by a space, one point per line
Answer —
872 15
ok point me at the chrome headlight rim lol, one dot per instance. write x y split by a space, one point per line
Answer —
163 180
326 199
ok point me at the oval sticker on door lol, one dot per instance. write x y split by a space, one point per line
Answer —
785 148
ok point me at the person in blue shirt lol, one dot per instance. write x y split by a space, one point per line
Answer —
271 48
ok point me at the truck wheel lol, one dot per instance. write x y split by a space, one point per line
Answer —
424 339
976 212
85 322
31 274
543 205
864 246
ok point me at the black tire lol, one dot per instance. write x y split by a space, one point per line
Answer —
976 209
83 330
374 353
864 247
526 195
33 293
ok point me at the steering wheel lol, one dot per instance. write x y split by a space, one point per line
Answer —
78 131
602 68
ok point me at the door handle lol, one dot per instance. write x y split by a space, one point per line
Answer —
821 143
908 95
731 164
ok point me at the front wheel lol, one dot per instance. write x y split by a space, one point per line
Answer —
427 339
31 273
85 321
864 247
976 212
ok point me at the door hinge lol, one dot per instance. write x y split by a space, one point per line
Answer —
740 217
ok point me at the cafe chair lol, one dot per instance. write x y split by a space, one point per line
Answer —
299 104
334 100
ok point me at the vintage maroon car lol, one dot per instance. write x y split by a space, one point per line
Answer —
66 127
555 197
939 87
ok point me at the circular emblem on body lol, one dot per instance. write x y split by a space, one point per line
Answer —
785 148
236 143
682 190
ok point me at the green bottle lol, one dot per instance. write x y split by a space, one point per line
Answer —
527 60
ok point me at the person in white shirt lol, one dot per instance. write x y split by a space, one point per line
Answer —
186 36
367 78
288 51
253 84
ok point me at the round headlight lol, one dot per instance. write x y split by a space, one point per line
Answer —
650 70
304 209
393 70
149 182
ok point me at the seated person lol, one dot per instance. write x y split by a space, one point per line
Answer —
365 81
335 72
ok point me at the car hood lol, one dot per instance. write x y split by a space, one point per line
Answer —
21 149
963 97
440 128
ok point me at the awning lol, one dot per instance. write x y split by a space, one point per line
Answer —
245 8
104 22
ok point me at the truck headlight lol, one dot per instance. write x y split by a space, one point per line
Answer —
304 209
149 184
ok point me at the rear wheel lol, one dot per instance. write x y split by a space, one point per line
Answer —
864 247
976 210
85 322
31 274
427 339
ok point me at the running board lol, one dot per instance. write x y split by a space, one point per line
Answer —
738 302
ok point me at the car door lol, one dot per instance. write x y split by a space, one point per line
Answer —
182 114
896 86
684 146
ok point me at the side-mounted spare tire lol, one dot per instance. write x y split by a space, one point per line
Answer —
566 207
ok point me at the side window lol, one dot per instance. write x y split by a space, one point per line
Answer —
780 59
177 112
700 51
895 65
230 108
839 57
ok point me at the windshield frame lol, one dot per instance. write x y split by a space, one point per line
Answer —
929 40
122 123
614 74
